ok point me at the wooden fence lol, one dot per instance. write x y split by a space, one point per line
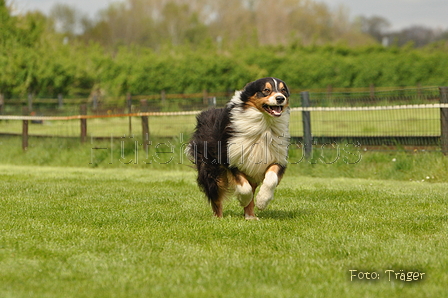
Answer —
306 111
83 117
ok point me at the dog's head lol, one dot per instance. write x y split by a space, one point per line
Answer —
268 95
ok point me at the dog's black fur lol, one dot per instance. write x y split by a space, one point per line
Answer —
210 141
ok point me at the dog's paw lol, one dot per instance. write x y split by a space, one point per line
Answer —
251 217
265 195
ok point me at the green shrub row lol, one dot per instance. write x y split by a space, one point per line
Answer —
48 69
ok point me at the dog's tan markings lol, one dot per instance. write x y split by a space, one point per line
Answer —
267 89
256 102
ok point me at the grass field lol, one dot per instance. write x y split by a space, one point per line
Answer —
133 232
82 222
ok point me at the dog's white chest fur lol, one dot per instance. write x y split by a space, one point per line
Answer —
259 140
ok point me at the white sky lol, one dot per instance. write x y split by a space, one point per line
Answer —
400 13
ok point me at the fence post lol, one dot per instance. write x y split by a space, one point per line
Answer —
60 100
306 119
2 103
30 102
25 130
444 120
145 124
95 103
419 90
83 111
205 97
329 91
372 91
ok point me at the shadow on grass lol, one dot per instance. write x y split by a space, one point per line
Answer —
273 214
284 214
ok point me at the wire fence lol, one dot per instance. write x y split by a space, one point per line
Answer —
414 117
403 117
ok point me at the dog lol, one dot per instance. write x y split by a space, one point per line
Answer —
243 145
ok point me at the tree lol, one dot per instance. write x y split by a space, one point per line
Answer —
375 26
7 23
154 23
418 35
69 21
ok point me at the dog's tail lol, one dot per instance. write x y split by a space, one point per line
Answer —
208 151
210 177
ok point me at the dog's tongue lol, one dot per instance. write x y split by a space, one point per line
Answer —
276 110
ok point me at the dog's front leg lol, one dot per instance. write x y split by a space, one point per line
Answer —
272 178
244 191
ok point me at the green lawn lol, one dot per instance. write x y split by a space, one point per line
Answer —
133 232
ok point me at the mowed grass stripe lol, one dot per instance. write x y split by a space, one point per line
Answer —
149 233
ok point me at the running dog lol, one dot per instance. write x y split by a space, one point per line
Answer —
243 145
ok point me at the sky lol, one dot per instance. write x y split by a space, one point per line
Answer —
400 13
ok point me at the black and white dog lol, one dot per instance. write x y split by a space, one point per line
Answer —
243 145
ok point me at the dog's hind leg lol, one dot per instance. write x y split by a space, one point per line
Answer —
213 181
217 207
217 201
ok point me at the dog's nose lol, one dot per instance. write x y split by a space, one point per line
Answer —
280 99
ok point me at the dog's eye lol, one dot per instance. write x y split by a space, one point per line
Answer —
266 90
283 90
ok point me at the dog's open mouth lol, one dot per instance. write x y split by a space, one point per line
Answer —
275 111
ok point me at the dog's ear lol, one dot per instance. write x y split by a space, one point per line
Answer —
252 88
